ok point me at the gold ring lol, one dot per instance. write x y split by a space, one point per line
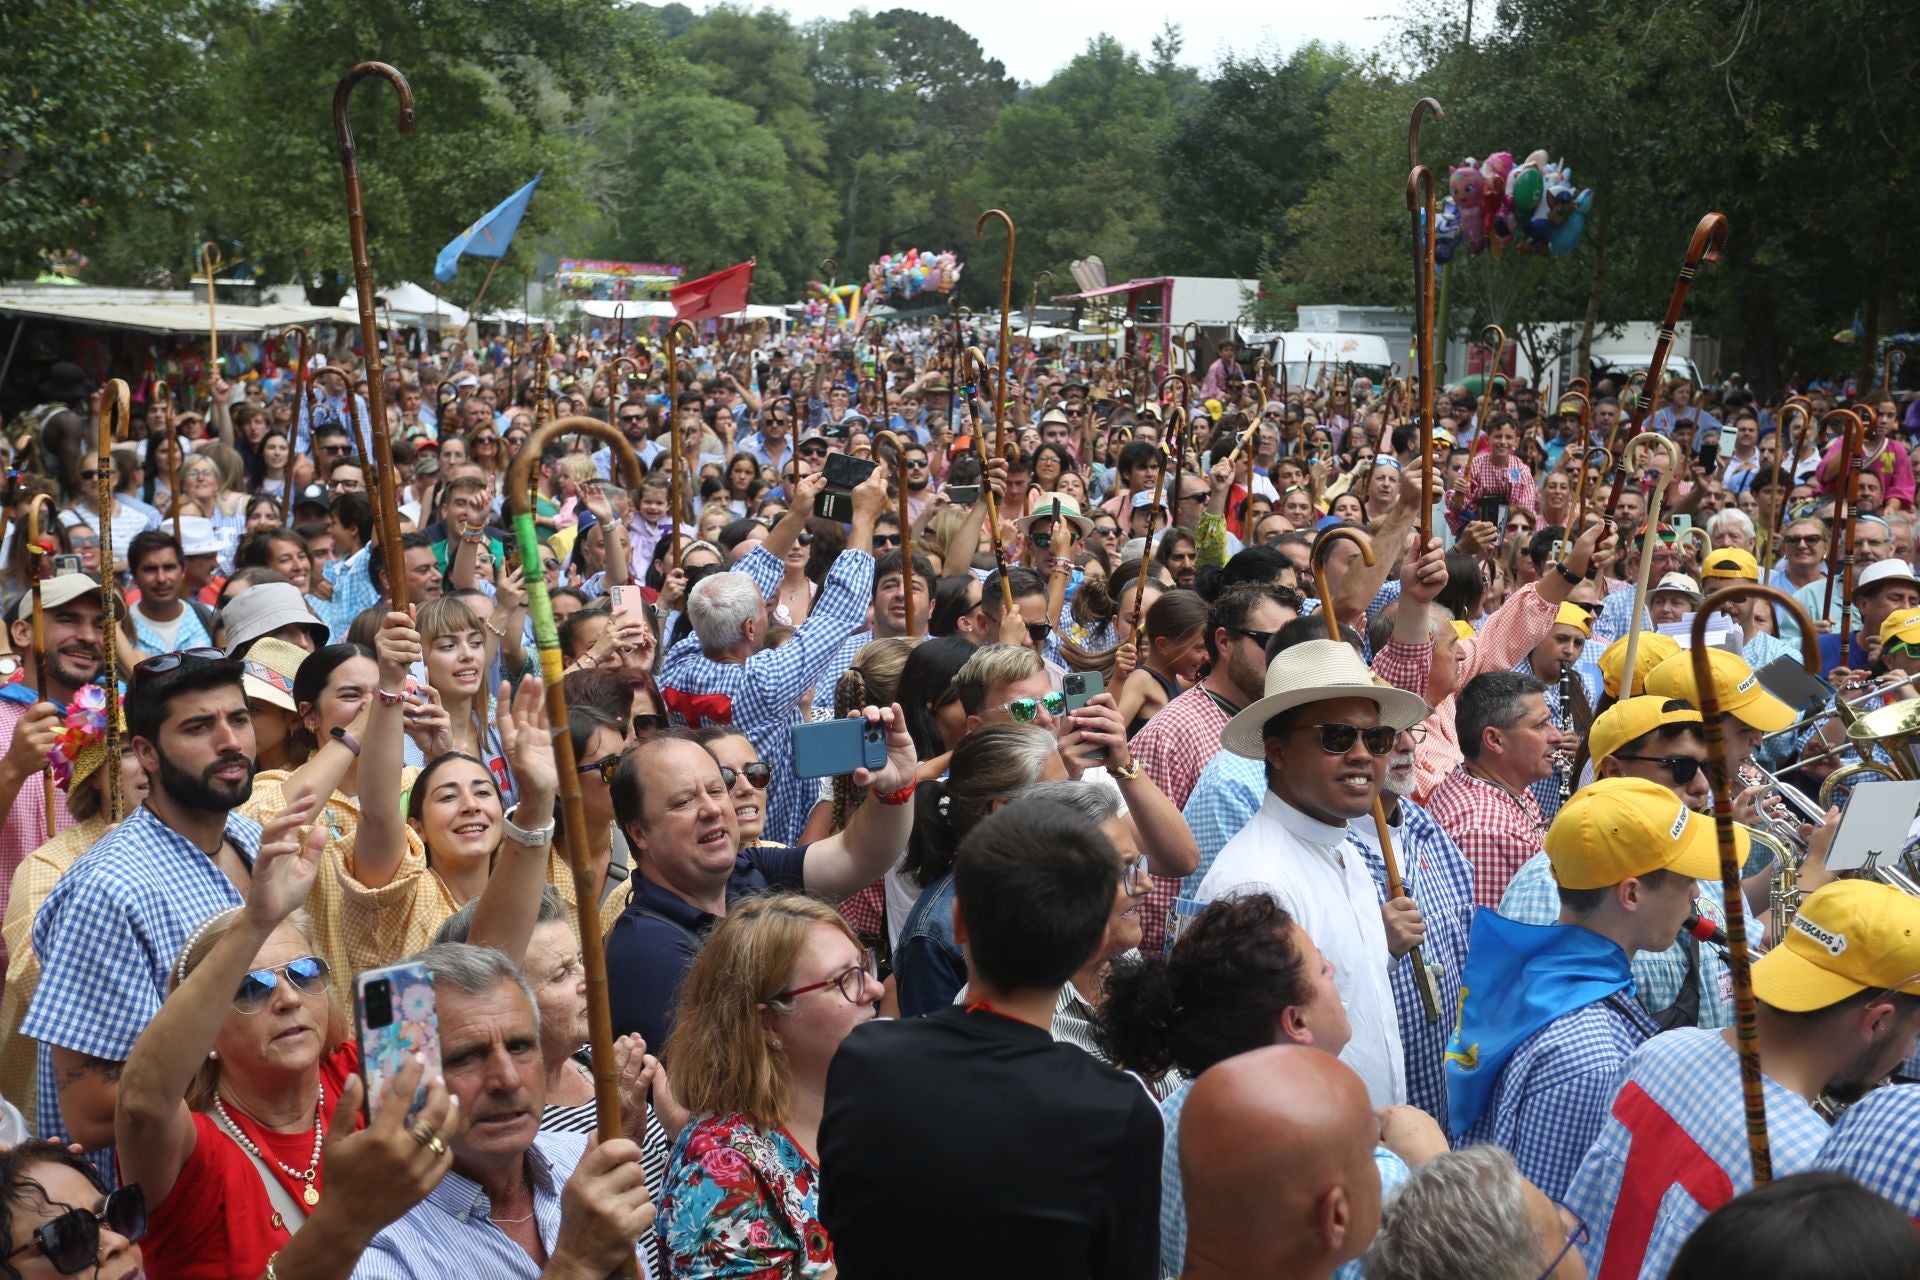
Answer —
424 1134
435 1145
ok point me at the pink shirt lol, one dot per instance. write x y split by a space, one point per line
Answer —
25 828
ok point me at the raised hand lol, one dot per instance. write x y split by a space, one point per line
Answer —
527 741
902 760
288 861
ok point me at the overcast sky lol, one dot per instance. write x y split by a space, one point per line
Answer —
1035 38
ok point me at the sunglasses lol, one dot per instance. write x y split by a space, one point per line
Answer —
886 539
1338 739
71 1242
1261 638
309 975
805 538
1682 768
1024 710
758 775
336 448
163 663
605 767
90 477
812 451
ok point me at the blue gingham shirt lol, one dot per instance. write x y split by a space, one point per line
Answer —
353 590
1615 618
1552 1095
1173 1204
450 1234
1439 877
107 937
1533 897
762 694
1228 793
1693 1075
1877 1142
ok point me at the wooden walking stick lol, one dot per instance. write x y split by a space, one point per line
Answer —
546 637
1006 327
906 526
1420 201
388 507
163 396
1033 301
210 261
300 405
673 424
1422 976
1746 1019
36 570
115 421
1496 337
1652 440
978 370
1845 520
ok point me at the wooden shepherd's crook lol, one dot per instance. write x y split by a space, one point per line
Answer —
673 416
36 570
1006 328
115 421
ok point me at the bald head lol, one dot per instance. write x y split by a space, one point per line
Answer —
1276 1159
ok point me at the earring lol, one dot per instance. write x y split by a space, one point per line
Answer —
214 1054
775 1042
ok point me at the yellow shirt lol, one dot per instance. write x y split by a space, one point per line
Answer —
32 882
361 927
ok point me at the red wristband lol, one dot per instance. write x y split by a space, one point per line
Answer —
901 796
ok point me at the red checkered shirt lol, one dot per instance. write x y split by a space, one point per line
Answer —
1512 484
1507 636
1497 829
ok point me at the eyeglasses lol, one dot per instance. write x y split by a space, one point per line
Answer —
758 774
1261 638
886 539
1338 739
309 975
1024 710
646 724
1133 876
1683 768
163 663
1576 1236
856 975
605 766
71 1241
628 418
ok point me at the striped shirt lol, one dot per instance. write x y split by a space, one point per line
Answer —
655 1146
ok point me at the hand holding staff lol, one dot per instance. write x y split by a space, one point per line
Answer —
113 402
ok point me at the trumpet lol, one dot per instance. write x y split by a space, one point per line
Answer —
1872 691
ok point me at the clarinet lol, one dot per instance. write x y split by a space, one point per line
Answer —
1561 764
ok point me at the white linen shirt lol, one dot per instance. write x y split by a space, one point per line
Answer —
1328 890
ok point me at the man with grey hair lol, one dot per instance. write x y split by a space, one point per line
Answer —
1469 1215
1731 528
724 674
518 1202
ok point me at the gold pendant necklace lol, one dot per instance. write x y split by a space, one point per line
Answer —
309 1193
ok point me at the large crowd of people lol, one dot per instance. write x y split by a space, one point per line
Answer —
1219 877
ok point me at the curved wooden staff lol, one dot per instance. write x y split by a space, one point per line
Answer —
1652 440
387 509
210 261
36 570
113 404
1422 976
1248 445
1498 342
614 393
1843 490
1033 301
673 426
1780 518
1006 327
300 406
1890 367
541 386
1176 442
586 888
163 396
1420 202
906 526
977 372
1745 1017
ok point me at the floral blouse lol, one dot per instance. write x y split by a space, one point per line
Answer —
740 1201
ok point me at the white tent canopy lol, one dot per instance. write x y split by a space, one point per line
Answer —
653 309
411 302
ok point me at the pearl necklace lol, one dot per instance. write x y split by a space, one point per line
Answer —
309 1193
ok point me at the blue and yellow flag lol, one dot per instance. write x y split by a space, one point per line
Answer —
487 238
1519 978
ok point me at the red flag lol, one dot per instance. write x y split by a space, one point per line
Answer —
720 294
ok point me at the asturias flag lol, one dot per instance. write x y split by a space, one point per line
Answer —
487 238
720 294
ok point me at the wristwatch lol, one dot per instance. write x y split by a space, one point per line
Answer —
345 739
527 837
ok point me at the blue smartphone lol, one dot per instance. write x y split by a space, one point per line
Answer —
830 748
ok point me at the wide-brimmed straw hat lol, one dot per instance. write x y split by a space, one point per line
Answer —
1317 671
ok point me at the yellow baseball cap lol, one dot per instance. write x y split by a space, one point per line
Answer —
1574 615
1902 625
1850 936
1735 688
1632 718
1654 650
1731 563
1618 828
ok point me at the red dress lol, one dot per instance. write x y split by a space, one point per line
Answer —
217 1222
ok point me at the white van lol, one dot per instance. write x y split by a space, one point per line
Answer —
1368 353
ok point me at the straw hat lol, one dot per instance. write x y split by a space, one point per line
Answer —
268 671
1317 671
1069 508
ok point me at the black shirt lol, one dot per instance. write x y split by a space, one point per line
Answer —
653 942
967 1144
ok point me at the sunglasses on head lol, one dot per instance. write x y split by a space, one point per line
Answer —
309 975
758 774
71 1242
1024 710
160 664
1338 739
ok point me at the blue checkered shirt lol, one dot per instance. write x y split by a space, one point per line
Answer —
1553 1092
107 937
761 696
1877 1142
1616 616
353 590
1693 1075
450 1234
1228 793
1533 897
1173 1204
1437 874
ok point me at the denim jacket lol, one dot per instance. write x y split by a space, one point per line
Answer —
928 965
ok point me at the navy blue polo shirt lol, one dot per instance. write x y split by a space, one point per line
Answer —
652 942
1830 652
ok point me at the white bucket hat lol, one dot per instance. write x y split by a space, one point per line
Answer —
1317 671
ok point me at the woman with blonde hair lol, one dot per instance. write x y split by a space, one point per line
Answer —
458 657
779 984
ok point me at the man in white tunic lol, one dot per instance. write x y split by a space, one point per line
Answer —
1325 730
